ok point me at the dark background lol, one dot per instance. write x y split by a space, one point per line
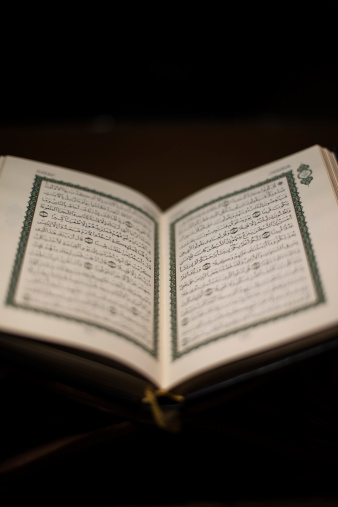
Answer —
168 104
240 64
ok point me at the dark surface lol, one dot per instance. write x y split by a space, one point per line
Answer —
276 446
167 161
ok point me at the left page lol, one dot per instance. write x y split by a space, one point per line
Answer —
79 263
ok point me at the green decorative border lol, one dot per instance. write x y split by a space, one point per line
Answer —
22 248
308 250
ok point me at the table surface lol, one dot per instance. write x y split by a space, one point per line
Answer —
168 161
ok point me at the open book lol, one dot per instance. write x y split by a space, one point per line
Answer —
97 281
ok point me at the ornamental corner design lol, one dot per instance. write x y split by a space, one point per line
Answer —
304 174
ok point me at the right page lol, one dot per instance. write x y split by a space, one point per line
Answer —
251 265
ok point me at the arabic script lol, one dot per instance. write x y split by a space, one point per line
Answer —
90 257
240 261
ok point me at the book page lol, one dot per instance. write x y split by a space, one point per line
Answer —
79 262
252 264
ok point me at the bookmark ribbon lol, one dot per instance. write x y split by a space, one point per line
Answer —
166 419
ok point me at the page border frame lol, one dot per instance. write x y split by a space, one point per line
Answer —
309 251
20 253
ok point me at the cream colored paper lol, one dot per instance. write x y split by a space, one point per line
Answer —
255 264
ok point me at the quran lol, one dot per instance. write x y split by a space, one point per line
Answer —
99 284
